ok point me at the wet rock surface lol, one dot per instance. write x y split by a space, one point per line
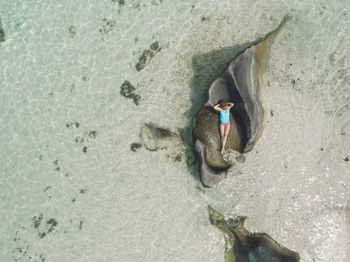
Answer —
242 83
244 246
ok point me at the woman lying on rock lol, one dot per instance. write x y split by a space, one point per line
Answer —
224 109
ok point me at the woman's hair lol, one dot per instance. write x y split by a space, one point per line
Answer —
224 105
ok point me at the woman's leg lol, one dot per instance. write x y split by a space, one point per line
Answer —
222 132
226 130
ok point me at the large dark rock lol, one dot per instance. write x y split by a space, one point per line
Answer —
241 83
244 246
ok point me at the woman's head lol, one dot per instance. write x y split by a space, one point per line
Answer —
224 105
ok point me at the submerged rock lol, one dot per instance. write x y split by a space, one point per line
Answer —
156 138
244 246
241 83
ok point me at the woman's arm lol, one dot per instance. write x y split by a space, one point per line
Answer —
230 105
217 107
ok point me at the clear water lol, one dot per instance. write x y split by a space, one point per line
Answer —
63 63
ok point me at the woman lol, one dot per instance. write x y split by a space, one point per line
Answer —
224 109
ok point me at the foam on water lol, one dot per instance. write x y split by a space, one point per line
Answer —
66 131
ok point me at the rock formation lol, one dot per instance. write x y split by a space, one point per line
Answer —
244 246
241 83
156 138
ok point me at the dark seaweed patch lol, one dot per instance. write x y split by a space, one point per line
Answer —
79 139
2 33
147 55
85 138
120 2
44 229
92 134
107 27
155 46
178 158
128 90
156 3
76 124
83 191
205 18
56 164
72 31
52 223
42 235
37 220
135 147
21 250
81 225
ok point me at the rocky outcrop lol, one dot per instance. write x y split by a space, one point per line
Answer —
157 138
242 83
244 246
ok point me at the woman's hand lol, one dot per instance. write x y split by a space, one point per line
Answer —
217 107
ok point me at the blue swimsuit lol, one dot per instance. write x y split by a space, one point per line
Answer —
225 116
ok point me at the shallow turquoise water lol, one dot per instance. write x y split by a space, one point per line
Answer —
63 63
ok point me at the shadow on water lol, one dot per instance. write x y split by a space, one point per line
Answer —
206 68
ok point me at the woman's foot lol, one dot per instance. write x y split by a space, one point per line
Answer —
223 151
